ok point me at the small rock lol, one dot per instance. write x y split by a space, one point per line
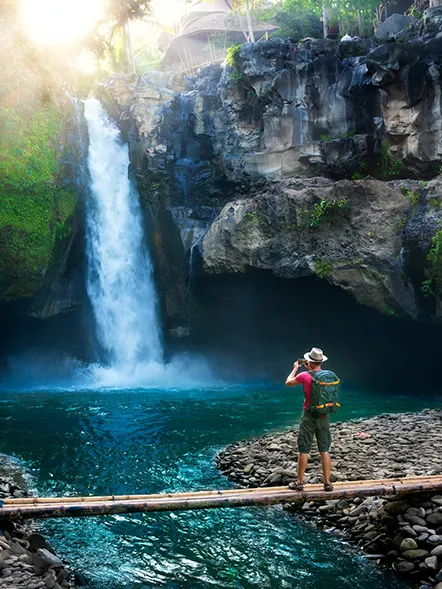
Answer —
436 551
435 519
25 558
437 499
408 544
49 558
435 539
397 507
409 531
50 582
418 554
37 541
357 511
81 580
431 562
274 480
421 529
415 520
397 540
404 566
17 548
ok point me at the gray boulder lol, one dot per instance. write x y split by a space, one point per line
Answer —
49 558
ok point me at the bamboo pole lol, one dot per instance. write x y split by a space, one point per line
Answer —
314 487
92 506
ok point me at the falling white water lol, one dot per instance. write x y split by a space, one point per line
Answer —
120 277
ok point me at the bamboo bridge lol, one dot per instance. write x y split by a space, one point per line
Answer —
51 507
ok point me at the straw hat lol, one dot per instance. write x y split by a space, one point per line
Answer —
315 355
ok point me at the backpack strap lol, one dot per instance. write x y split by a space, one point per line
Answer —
314 375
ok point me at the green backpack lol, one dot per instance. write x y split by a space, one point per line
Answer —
325 393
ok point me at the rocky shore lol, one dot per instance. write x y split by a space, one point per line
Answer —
27 561
404 533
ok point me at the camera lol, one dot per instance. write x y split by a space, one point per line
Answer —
301 361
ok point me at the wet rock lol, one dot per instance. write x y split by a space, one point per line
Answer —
37 541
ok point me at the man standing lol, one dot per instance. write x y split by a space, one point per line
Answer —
311 424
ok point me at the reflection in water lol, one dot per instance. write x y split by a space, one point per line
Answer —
136 441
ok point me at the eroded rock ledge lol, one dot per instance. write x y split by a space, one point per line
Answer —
364 236
405 534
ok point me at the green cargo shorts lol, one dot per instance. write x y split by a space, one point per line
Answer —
310 427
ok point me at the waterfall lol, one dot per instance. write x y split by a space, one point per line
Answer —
120 275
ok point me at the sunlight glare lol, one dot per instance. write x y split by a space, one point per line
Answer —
56 22
85 62
169 12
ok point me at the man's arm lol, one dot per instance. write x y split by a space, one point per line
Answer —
291 379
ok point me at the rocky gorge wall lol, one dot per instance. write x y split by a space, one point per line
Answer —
319 158
310 158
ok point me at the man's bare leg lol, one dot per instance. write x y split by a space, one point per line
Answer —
302 465
326 466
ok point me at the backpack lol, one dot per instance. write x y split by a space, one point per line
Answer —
325 393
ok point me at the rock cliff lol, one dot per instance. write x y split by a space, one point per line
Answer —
309 158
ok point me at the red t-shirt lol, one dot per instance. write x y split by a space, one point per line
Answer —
305 378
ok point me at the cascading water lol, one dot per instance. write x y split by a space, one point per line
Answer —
120 276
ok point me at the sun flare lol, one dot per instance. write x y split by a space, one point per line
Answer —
58 22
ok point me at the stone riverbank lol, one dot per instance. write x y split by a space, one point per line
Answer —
27 561
404 533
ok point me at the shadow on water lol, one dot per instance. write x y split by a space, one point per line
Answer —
256 325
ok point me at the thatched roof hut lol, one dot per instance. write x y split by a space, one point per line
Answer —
206 32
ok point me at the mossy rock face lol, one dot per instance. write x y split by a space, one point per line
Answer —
35 208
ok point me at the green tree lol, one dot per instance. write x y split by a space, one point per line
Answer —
113 32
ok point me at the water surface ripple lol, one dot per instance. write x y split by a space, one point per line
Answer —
141 441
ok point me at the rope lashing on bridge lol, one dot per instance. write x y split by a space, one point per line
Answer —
51 507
